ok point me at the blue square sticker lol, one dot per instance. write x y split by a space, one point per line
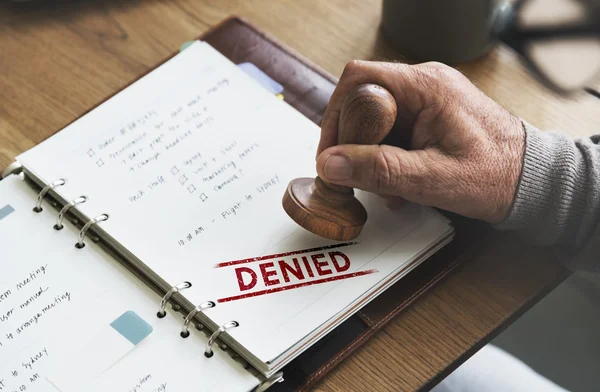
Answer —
132 327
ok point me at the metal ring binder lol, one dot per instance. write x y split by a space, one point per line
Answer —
275 378
38 205
163 303
84 229
13 168
186 323
208 352
63 211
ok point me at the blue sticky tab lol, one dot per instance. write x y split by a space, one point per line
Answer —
6 211
261 77
132 327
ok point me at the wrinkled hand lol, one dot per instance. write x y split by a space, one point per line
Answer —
465 151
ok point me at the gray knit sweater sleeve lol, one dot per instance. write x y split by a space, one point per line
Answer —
557 201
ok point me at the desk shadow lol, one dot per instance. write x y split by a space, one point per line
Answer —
16 13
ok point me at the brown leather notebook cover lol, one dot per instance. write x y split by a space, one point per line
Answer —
308 88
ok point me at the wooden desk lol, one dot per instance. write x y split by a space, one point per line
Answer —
57 61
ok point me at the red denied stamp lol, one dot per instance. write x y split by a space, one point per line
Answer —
291 270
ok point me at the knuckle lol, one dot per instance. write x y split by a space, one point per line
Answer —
439 74
447 83
436 65
353 67
385 176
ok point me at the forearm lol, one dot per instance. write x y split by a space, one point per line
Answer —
557 202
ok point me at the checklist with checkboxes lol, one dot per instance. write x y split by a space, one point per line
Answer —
183 179
100 162
174 170
191 188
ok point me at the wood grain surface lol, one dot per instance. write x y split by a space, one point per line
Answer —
59 58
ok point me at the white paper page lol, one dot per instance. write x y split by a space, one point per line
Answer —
54 297
198 181
410 250
386 245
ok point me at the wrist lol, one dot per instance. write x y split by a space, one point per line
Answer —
511 163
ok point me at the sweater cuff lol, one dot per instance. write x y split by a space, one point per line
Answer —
540 210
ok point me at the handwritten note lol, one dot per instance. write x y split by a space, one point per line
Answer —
26 376
56 301
139 143
154 149
147 383
45 289
32 303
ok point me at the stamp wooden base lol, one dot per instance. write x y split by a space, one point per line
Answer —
329 213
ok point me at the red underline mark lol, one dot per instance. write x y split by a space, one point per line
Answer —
273 256
297 285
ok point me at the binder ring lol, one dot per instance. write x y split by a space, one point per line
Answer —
209 352
38 205
163 303
63 211
84 229
186 323
275 378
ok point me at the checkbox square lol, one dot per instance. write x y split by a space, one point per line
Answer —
203 196
91 153
183 179
174 170
100 162
191 188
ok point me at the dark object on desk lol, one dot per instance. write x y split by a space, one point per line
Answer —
332 211
449 31
557 40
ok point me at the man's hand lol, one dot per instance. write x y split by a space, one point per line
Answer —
465 153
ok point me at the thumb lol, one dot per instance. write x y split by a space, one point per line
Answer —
379 169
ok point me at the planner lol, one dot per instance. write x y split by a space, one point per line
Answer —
156 217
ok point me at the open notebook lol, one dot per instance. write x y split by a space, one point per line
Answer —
182 174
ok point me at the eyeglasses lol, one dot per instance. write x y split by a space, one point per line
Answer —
558 40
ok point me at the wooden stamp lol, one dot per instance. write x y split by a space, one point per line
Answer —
332 211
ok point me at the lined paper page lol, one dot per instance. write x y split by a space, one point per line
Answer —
191 163
54 298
